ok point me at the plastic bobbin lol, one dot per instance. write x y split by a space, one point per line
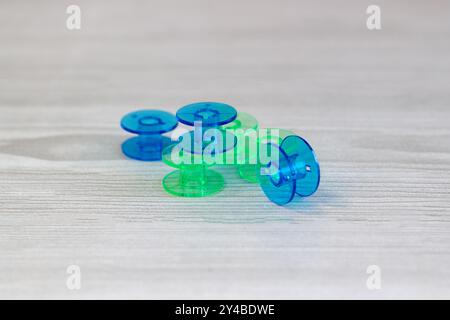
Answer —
210 114
193 178
296 171
149 125
240 125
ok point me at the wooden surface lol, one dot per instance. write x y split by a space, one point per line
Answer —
374 104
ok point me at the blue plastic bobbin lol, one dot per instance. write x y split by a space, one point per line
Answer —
210 114
296 171
149 125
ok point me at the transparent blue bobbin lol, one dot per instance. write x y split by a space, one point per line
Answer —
295 172
210 114
149 125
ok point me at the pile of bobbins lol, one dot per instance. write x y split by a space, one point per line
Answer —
295 172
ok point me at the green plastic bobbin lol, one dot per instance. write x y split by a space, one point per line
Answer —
251 172
244 121
193 178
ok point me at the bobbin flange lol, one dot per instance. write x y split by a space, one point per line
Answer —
209 114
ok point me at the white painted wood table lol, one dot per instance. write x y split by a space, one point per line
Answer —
374 104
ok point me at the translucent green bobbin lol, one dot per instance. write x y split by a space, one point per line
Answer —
267 135
193 177
240 125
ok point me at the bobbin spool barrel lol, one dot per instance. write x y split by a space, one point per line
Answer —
193 177
296 171
149 125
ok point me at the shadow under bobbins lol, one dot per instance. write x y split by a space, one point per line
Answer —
149 125
296 171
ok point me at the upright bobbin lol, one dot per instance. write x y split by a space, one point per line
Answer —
295 172
149 125
193 178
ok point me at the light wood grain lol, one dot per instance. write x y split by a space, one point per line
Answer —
374 104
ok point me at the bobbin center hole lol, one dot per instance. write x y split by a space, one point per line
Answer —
302 168
206 113
150 121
